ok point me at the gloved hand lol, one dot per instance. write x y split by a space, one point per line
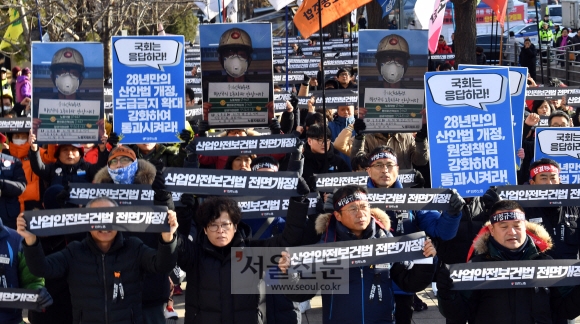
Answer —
329 203
455 203
312 183
44 299
113 139
159 165
421 134
490 197
203 128
158 184
63 196
297 155
275 127
188 200
419 180
302 189
444 283
359 126
191 148
186 137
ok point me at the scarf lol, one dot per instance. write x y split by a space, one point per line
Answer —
124 175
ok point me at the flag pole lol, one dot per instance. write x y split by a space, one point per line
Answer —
323 81
40 25
287 85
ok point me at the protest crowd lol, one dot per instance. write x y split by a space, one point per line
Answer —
251 175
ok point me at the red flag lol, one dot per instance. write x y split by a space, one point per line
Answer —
306 18
499 7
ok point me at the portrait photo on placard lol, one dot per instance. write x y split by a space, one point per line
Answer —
236 65
67 93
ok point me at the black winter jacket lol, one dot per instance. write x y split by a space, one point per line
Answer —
314 163
60 174
208 298
90 274
562 225
12 185
516 305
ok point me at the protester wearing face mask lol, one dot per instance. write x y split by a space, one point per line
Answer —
6 102
19 147
235 56
392 60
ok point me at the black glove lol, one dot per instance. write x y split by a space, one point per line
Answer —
186 137
419 180
444 283
275 127
159 165
312 183
113 139
455 203
297 155
490 197
44 299
422 134
63 196
158 184
359 126
191 148
188 200
203 128
302 189
329 203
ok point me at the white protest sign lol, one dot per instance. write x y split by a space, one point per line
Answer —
156 54
517 82
560 142
475 90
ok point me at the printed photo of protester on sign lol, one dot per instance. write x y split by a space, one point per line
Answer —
236 64
392 64
67 95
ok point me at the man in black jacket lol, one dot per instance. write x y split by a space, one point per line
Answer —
93 265
314 157
508 237
528 57
12 185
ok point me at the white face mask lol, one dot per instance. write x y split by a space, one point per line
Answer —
67 83
19 141
6 108
235 66
392 71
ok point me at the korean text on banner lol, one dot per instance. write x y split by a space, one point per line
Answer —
306 18
561 144
469 114
518 86
148 88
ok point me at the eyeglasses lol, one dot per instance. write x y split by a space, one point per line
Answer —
356 208
123 160
320 141
381 166
225 227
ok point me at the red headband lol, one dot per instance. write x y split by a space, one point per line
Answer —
543 168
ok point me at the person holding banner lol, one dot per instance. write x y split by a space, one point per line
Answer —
105 270
315 158
507 236
352 219
15 274
208 298
383 171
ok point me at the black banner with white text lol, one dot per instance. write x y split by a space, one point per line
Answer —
264 207
542 195
550 93
228 146
19 298
151 219
226 182
329 181
515 274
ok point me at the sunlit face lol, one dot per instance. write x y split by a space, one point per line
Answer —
317 145
544 109
565 33
242 163
510 234
146 148
220 232
383 172
345 111
355 216
559 121
103 237
69 155
546 178
344 78
236 132
20 136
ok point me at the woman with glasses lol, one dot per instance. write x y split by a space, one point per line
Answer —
209 298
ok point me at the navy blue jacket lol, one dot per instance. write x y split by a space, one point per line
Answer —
12 185
59 174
